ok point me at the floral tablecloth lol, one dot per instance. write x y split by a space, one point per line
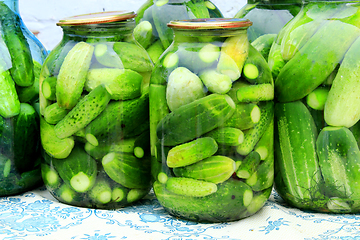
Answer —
36 215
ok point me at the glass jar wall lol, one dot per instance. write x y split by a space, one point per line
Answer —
20 65
94 106
268 17
152 32
211 123
316 63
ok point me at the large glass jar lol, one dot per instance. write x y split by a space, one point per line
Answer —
94 106
211 122
152 31
316 62
20 64
268 17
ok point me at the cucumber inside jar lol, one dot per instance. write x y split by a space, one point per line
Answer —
203 130
94 117
320 118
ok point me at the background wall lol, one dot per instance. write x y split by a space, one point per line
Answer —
40 16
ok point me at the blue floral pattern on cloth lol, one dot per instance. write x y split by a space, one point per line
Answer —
36 215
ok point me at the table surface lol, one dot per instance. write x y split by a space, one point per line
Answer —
36 215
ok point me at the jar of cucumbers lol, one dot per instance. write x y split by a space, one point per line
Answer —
94 106
268 17
211 122
151 30
20 64
316 63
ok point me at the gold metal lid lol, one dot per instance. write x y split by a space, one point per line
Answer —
210 23
97 18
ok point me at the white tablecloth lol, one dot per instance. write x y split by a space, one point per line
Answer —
36 215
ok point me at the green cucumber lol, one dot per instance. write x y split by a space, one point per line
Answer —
319 57
248 165
341 106
101 192
191 152
155 50
143 33
256 69
120 118
215 169
50 177
136 194
78 170
133 57
255 93
127 170
183 87
22 69
226 136
26 138
198 8
253 135
31 93
317 98
296 161
54 113
216 82
263 177
124 84
266 143
106 146
246 116
72 75
84 112
209 208
190 187
258 201
54 146
48 88
142 145
339 160
263 44
275 60
158 110
195 119
106 56
10 104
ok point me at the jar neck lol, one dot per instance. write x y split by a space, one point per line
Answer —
12 4
116 30
205 35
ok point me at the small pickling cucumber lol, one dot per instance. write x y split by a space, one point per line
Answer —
342 103
143 33
10 104
48 88
339 158
101 192
124 84
86 110
155 50
216 82
72 75
248 165
183 87
253 135
127 170
22 69
215 169
78 170
190 187
54 114
263 44
133 56
191 152
54 146
226 136
195 119
120 118
254 93
106 56
246 116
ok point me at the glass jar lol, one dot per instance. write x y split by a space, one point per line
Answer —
94 106
21 58
151 30
268 17
211 122
317 155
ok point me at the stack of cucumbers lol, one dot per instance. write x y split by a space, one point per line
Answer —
211 127
316 64
19 130
152 31
94 123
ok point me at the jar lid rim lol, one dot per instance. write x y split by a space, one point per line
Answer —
210 23
97 18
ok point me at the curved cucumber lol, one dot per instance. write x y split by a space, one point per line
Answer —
342 107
